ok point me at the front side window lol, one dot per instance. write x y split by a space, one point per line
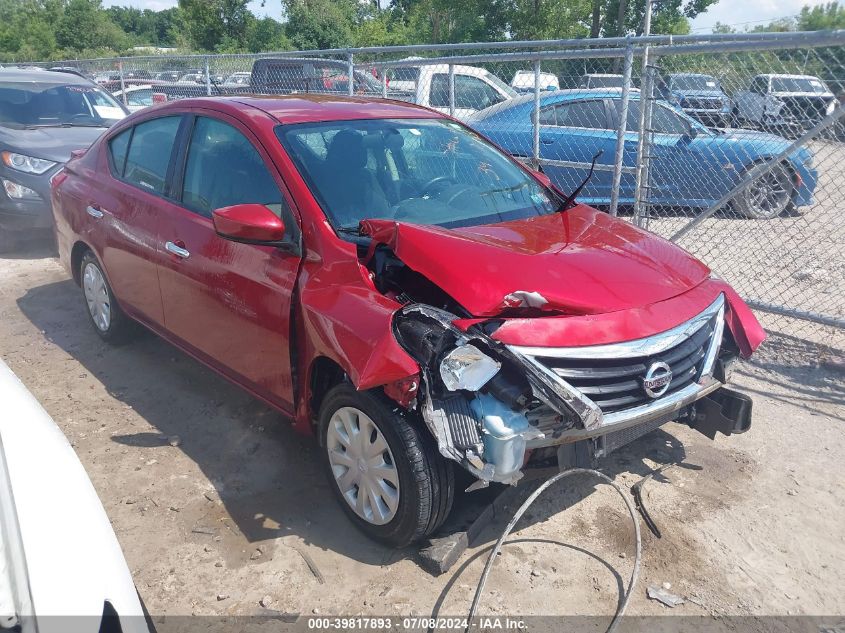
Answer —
223 169
149 153
422 171
34 104
664 120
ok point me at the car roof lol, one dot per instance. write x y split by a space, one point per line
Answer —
601 75
689 75
311 108
42 76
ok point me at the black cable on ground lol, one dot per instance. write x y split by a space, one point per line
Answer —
620 611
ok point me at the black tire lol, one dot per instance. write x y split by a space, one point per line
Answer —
426 479
119 328
757 204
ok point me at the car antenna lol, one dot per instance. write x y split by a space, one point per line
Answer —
571 198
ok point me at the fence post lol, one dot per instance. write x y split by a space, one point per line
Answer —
645 125
384 73
122 82
623 128
207 78
350 71
535 116
451 90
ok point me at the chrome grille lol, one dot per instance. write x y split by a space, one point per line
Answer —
617 384
701 103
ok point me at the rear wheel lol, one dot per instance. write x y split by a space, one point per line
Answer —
109 321
385 470
768 196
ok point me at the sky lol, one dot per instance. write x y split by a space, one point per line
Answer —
740 13
748 13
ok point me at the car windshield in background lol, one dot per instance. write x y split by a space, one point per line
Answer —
504 87
695 82
33 104
797 84
406 73
421 171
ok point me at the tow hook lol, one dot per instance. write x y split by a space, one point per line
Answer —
726 411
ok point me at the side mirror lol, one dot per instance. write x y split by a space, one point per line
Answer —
248 223
689 137
543 178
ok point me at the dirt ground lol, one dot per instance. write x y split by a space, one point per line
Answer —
751 524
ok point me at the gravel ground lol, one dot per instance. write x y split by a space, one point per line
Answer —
217 503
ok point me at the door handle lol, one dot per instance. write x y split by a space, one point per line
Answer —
177 250
547 140
94 212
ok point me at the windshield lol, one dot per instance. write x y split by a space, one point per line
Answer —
506 88
798 84
694 82
421 171
33 104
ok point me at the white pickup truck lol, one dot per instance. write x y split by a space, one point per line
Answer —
475 88
786 104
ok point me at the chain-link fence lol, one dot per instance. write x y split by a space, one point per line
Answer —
741 160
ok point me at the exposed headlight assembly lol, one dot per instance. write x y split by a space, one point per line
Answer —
467 367
26 164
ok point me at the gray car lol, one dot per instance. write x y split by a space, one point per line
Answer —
44 116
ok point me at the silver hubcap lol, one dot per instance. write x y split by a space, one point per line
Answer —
363 466
97 296
769 194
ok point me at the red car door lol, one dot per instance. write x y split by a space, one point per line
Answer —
227 301
125 208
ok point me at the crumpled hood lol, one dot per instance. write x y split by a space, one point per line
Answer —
50 143
581 261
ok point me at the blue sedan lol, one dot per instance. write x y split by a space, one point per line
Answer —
692 166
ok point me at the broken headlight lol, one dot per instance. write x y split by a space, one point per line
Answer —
467 367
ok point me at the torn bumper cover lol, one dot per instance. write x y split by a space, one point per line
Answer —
491 404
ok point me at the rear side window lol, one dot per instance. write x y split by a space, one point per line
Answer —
149 153
223 168
582 114
118 147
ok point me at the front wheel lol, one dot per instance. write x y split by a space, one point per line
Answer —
384 467
768 196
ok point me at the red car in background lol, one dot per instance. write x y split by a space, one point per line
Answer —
399 287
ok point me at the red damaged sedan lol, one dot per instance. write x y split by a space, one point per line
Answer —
399 287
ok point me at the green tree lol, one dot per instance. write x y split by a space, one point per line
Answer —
85 26
314 24
212 24
266 34
821 18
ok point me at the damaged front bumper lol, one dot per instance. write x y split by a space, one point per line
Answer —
546 397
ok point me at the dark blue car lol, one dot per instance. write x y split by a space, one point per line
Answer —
700 96
692 166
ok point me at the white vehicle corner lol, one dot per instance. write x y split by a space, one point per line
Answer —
61 566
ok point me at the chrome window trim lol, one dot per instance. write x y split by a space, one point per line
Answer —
639 347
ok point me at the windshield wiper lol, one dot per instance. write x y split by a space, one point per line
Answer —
571 198
349 230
